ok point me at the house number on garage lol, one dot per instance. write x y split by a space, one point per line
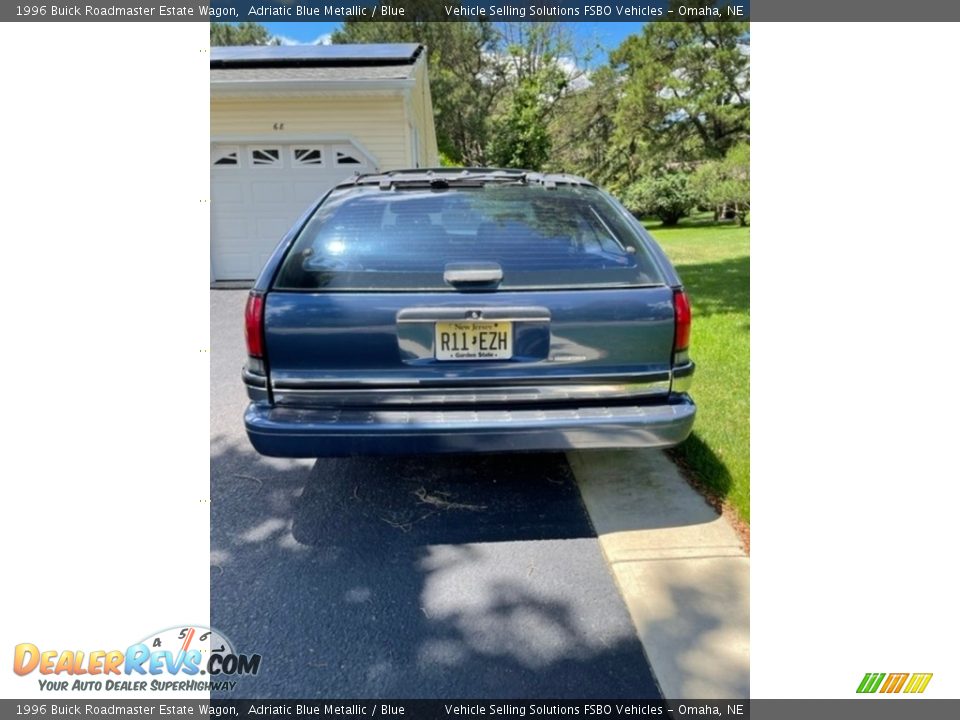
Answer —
278 126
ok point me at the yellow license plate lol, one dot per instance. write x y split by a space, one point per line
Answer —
473 340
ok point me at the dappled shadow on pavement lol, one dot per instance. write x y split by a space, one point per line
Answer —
428 577
680 566
707 655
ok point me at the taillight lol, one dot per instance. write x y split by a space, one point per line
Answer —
253 324
681 314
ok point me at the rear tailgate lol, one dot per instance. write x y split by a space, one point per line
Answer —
563 344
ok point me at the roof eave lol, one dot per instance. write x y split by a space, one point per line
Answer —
247 87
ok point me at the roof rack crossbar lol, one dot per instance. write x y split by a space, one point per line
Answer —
440 178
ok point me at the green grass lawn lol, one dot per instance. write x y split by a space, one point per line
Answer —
713 260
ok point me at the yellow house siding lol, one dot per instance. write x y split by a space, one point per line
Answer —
422 107
378 122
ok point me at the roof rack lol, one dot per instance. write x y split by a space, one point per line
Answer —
440 178
446 177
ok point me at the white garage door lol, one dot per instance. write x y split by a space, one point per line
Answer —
259 190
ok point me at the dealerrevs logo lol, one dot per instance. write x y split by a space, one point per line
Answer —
182 659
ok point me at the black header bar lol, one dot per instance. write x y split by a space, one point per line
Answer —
380 10
493 10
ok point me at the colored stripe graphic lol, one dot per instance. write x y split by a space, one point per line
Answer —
870 682
918 682
894 682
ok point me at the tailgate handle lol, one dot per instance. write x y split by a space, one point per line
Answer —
472 273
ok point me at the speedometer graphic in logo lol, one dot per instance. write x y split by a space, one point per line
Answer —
185 641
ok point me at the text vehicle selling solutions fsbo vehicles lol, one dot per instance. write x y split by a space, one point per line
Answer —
466 310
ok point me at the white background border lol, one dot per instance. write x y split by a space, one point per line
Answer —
105 257
854 154
105 252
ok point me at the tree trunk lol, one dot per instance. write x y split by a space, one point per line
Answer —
741 214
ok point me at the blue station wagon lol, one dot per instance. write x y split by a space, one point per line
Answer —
470 310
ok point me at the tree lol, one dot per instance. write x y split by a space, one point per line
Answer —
533 56
686 93
245 33
538 49
543 72
582 129
465 80
520 138
726 183
587 140
666 194
494 87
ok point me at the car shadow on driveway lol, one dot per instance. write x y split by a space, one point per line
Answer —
427 577
440 500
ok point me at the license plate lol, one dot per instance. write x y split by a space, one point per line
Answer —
474 340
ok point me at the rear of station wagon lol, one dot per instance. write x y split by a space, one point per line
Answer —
466 311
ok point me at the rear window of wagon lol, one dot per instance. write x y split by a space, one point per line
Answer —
368 239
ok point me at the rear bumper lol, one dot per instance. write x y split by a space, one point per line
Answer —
299 432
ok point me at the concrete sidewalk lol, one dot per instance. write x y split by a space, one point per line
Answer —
680 567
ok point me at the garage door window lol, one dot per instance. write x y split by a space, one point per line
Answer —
265 156
345 158
226 156
307 157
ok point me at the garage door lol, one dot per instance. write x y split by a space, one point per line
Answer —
259 190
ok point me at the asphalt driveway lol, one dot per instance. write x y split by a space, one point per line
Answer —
457 576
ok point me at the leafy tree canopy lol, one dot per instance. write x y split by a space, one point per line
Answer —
726 183
686 90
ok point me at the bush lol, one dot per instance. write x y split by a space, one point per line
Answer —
667 195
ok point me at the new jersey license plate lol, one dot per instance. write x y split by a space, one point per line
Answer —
470 340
